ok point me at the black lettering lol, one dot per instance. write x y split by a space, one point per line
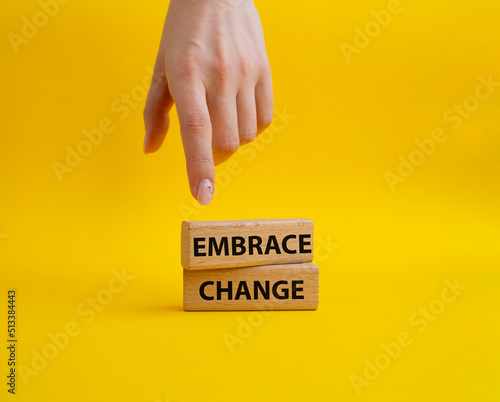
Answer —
285 246
295 289
264 292
202 290
272 244
284 290
243 289
198 246
303 243
212 246
228 290
238 242
255 246
251 244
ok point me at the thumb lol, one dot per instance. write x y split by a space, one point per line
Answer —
156 119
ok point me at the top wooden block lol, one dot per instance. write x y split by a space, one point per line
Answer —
231 244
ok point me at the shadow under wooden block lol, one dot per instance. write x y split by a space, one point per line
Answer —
267 287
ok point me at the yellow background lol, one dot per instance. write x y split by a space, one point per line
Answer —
122 209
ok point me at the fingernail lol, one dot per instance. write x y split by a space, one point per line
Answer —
205 192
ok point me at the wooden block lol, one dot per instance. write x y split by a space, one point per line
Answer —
267 287
230 244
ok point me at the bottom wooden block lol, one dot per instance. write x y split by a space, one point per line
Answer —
268 287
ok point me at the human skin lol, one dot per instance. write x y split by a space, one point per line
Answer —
212 64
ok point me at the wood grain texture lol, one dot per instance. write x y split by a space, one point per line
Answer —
282 241
280 287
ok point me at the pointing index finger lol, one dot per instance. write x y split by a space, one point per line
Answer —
196 132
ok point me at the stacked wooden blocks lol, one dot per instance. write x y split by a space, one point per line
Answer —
249 265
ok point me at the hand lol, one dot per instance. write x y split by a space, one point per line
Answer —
212 64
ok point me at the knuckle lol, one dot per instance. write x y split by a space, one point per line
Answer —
247 138
196 122
184 67
201 163
245 65
222 68
227 146
159 78
248 135
264 67
266 120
